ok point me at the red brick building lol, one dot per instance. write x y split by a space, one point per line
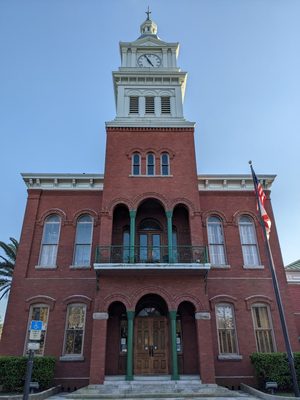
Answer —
148 269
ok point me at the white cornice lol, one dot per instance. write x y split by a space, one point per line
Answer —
232 182
150 123
63 181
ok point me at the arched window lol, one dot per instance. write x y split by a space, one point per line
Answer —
264 335
38 312
165 164
226 329
248 241
136 164
150 164
216 241
83 241
50 240
74 331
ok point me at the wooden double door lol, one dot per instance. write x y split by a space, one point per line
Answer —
150 346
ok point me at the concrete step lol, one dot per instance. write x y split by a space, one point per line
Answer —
153 390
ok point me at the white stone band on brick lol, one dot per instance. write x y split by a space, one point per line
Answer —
100 315
202 315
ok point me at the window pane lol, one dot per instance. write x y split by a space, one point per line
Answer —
48 255
84 232
136 164
75 329
51 232
165 164
216 241
248 241
82 254
150 164
263 329
226 329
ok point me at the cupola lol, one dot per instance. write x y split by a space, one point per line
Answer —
148 27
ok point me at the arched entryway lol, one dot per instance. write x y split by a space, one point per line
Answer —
116 344
151 336
186 339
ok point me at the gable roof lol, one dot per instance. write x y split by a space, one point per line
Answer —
294 266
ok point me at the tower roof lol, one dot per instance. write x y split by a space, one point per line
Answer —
148 27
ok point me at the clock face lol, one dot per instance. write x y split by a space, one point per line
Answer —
149 60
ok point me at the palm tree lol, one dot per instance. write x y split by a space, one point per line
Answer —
7 265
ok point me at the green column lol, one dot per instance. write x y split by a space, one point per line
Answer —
170 235
129 368
172 319
132 214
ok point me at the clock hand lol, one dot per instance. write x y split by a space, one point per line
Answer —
149 61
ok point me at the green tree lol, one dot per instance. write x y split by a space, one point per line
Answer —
7 265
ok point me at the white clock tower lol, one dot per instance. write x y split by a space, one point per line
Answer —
149 87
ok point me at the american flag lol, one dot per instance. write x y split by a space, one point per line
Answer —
261 198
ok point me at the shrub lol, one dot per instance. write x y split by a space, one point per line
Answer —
13 371
274 367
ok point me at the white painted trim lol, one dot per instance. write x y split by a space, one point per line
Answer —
202 315
100 315
152 266
253 267
234 376
230 357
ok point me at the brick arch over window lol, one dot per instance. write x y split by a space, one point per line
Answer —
166 150
247 213
77 298
138 294
199 307
223 298
53 211
119 201
86 211
181 201
151 195
40 299
113 298
214 213
259 298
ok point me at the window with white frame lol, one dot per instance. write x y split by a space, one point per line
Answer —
248 241
216 241
150 164
226 329
136 164
74 332
264 335
149 105
38 312
50 240
133 105
83 241
165 164
165 105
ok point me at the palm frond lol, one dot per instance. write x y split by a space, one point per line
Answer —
15 243
9 250
7 265
5 292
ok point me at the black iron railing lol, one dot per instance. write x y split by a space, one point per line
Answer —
155 254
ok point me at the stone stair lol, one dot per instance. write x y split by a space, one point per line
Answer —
150 388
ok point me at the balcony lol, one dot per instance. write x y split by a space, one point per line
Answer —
156 257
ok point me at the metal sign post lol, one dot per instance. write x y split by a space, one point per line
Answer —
34 334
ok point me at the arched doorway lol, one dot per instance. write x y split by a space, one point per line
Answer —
186 339
151 336
116 344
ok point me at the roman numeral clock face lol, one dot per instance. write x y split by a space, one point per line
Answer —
149 60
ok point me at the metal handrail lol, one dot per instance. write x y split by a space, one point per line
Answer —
155 254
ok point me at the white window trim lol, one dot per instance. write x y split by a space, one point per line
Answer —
225 265
154 164
73 357
132 164
227 355
161 164
270 322
28 326
246 266
75 243
42 244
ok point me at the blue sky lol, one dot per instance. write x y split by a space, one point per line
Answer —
243 91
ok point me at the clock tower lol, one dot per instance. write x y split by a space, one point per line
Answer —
149 87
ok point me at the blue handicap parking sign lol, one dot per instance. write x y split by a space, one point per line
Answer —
36 325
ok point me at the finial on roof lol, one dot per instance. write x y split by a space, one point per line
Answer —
148 12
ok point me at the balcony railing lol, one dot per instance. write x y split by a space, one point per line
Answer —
151 255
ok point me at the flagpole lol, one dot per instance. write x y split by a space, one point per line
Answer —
277 293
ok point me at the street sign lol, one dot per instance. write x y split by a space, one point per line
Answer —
36 325
35 335
33 346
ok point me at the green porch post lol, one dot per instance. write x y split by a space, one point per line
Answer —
129 368
169 215
172 319
132 214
